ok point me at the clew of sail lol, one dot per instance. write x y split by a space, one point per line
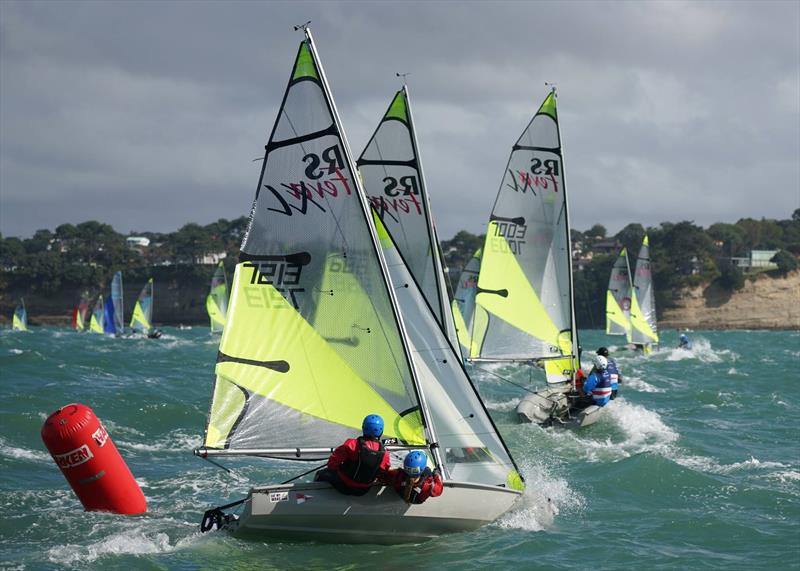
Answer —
312 342
217 299
644 330
525 281
96 322
19 322
618 298
392 176
142 317
474 450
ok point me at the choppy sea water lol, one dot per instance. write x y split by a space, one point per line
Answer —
695 466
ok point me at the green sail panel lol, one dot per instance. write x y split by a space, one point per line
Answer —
96 321
392 175
217 299
525 281
644 328
311 343
142 317
618 297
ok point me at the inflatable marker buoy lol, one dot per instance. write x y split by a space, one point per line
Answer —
82 449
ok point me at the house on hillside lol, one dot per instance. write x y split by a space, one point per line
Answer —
757 260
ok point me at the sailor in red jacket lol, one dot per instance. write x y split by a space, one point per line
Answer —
416 482
354 466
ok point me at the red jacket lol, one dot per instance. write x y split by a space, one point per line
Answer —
349 451
429 485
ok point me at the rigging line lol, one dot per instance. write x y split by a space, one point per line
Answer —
320 467
502 378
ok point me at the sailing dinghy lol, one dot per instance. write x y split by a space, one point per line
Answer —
142 317
463 304
618 298
321 331
80 313
113 322
524 299
217 299
96 322
644 328
19 321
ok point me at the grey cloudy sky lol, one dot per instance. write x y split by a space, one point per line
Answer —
148 115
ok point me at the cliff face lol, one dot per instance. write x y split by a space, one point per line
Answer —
764 303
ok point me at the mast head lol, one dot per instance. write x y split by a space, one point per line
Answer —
552 87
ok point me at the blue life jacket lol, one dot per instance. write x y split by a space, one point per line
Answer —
599 385
613 372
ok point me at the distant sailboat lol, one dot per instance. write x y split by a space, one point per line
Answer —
644 328
217 300
618 298
463 304
113 322
97 320
80 314
327 324
20 320
142 318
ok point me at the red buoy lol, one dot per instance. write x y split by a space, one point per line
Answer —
90 462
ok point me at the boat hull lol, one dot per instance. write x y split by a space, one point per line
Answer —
552 407
317 512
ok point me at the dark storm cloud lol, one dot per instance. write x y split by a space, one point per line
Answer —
148 115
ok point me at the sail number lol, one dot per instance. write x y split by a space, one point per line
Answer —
282 275
514 235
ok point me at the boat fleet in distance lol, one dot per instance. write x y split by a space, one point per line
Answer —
339 309
105 315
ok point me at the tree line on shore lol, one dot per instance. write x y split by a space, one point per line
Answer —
84 256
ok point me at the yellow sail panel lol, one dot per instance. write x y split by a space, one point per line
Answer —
615 314
215 315
464 338
480 322
139 318
17 324
269 350
520 306
557 370
638 322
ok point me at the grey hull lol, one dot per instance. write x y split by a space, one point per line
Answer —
317 512
551 407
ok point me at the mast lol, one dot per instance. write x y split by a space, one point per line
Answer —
424 410
573 325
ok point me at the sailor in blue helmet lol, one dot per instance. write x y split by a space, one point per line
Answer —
415 482
613 372
599 382
355 465
684 342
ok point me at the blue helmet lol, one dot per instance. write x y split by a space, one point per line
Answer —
372 426
415 463
683 337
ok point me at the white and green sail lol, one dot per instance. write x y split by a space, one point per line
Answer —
96 323
19 322
142 317
312 343
217 299
644 329
618 298
392 175
525 281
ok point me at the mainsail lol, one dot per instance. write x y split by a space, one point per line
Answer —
97 321
80 313
112 313
142 318
618 298
20 320
316 336
643 304
217 299
463 306
392 176
525 281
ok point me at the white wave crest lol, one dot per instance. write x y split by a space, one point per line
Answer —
710 465
16 351
132 542
10 451
502 406
640 385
